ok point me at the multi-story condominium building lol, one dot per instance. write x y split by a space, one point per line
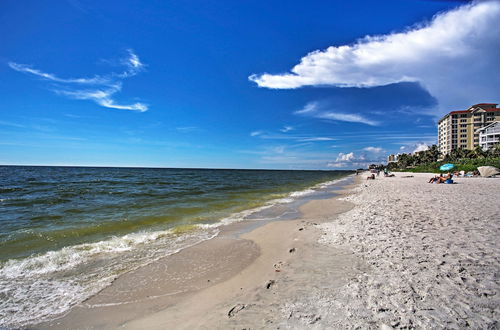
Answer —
392 158
489 136
457 129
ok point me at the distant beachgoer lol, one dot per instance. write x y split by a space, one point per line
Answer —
371 177
445 179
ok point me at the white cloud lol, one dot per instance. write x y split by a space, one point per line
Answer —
345 157
292 137
11 124
373 149
421 147
352 160
187 129
315 110
133 65
414 147
456 51
48 76
309 108
279 149
287 129
101 89
315 139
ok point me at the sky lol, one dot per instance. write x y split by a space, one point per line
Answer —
238 84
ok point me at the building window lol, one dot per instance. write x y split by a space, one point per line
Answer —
463 131
463 135
463 120
463 125
464 115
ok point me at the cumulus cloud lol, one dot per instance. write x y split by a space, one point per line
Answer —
99 89
345 157
316 110
356 160
456 51
348 160
421 147
416 147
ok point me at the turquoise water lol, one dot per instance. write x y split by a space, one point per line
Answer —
67 232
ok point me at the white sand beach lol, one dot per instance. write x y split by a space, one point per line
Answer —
390 253
431 252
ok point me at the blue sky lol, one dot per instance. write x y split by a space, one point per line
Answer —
237 84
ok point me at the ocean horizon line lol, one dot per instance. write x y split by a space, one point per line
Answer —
176 168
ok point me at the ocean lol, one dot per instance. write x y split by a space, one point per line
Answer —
67 232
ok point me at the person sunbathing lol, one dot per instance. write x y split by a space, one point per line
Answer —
434 179
441 178
445 179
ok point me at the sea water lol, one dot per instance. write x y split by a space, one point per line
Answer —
67 232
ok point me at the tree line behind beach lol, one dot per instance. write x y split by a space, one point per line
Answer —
463 159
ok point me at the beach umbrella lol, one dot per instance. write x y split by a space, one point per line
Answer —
446 167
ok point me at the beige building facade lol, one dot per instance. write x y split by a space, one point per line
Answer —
459 129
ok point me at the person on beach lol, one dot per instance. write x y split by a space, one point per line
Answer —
442 179
434 179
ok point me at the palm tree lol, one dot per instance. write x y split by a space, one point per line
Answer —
479 152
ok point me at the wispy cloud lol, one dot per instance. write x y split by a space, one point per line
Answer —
291 137
423 53
317 110
315 139
187 129
287 129
48 76
373 149
11 124
100 89
256 133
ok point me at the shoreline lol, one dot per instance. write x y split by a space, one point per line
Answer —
194 270
378 256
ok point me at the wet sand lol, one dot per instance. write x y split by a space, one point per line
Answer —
197 287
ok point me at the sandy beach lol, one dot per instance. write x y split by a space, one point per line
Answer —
389 253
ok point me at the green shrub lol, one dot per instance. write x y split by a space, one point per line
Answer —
467 165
